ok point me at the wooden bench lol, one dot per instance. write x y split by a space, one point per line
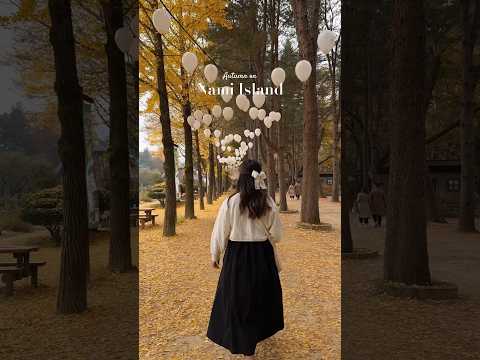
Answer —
143 219
32 271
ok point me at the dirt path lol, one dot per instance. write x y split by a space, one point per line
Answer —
177 286
377 326
31 329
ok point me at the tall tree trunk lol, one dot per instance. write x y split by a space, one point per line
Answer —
211 174
282 186
199 171
170 215
336 139
306 24
271 177
219 186
471 18
72 289
406 255
189 196
120 255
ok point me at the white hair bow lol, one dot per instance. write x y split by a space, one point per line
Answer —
259 178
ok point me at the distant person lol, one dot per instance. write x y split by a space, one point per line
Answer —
363 206
378 204
248 303
298 190
291 191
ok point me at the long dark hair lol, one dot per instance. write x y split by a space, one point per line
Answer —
251 199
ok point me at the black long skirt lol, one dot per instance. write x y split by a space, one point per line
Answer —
248 303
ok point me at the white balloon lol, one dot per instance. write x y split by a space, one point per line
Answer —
271 115
326 41
276 116
250 145
189 62
303 70
258 132
246 104
268 122
217 133
223 148
190 120
229 148
210 72
123 38
261 114
240 100
258 99
251 135
228 113
217 111
207 132
278 76
207 119
227 93
198 115
217 144
253 112
161 20
246 132
237 138
196 124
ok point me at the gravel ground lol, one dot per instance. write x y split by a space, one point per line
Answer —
177 286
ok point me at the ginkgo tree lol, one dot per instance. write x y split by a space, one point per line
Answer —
190 22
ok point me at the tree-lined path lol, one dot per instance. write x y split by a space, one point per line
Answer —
177 286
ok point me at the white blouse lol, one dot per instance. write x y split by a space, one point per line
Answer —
232 224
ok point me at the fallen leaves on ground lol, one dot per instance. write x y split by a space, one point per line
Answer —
177 286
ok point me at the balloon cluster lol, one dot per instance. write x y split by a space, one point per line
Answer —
128 43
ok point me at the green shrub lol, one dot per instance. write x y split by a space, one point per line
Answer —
11 220
144 196
45 208
157 192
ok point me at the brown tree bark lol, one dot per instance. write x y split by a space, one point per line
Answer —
471 23
72 289
306 16
406 255
120 254
200 173
219 188
211 174
170 216
188 180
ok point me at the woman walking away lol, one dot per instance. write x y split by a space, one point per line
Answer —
378 204
291 191
248 303
363 207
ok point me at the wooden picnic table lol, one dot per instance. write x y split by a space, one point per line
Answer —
147 211
23 267
20 253
147 216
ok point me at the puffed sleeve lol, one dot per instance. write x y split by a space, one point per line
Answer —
221 232
275 226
